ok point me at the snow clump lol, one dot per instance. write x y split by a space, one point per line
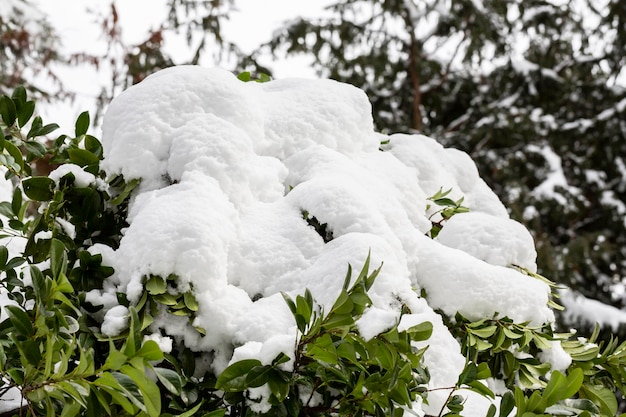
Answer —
234 174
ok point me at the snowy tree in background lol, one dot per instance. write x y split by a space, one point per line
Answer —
28 49
534 91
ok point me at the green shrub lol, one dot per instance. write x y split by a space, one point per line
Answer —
52 352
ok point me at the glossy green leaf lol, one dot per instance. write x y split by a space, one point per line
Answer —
58 258
44 130
30 350
190 301
15 153
39 188
35 149
82 157
7 110
233 378
170 379
150 351
122 389
20 320
602 397
421 331
323 349
19 94
25 112
4 256
82 124
149 390
156 285
257 376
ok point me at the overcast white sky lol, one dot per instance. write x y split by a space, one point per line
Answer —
252 24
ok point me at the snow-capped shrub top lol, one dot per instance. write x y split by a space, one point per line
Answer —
251 189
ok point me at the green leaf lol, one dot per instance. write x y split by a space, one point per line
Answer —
115 359
156 285
150 351
303 308
93 145
130 389
35 148
602 397
259 375
128 188
70 409
507 403
194 410
19 94
7 110
149 390
244 76
39 188
58 258
279 386
334 322
20 320
190 301
481 389
323 349
16 202
216 413
4 256
233 378
170 379
76 391
30 350
15 153
343 304
421 331
25 113
111 386
82 157
166 299
39 284
573 384
82 124
485 332
263 78
44 130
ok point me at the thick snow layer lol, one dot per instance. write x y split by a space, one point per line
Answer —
579 308
236 178
231 172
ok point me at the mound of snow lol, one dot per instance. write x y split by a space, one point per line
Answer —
231 171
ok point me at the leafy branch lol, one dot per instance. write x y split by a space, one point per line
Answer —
448 209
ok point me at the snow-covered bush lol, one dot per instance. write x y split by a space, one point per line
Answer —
194 263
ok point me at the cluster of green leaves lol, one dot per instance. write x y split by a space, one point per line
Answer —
335 370
551 284
247 77
448 209
161 296
512 350
48 350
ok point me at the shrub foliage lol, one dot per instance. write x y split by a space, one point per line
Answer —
53 354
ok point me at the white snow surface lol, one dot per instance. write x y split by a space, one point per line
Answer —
227 169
